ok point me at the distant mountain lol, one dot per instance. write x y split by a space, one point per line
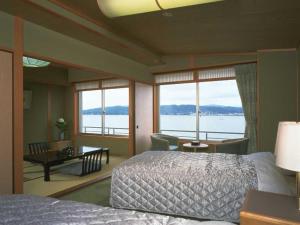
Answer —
173 110
113 110
204 110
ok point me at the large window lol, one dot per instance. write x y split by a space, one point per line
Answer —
208 108
90 111
104 111
221 113
178 110
116 111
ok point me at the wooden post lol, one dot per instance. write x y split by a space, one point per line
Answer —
18 142
131 143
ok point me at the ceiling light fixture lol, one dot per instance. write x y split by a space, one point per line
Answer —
31 62
115 8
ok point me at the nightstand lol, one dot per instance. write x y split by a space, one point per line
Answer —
262 208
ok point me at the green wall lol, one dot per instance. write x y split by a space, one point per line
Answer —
44 42
76 75
173 63
49 75
6 30
58 98
35 118
277 73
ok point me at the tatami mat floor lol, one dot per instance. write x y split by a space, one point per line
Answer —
34 180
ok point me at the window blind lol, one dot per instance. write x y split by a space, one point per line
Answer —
113 83
227 72
174 77
87 86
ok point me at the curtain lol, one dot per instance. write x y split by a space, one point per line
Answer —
174 77
227 72
246 82
114 83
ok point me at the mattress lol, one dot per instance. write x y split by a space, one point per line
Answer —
34 210
197 185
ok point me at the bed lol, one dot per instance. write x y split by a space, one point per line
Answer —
34 210
195 185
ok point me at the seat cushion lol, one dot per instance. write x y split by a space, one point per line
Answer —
72 169
173 147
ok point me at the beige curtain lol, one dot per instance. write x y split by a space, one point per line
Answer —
246 82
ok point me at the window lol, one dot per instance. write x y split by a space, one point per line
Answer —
116 111
113 120
90 111
208 108
178 110
221 113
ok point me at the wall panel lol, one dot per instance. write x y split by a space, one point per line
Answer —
6 123
278 85
143 116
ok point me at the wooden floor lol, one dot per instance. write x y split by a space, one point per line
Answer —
60 184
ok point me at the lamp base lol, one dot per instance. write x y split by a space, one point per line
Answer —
298 189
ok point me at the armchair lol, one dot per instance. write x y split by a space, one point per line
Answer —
236 146
164 142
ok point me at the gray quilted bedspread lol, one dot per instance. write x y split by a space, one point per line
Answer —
200 185
34 210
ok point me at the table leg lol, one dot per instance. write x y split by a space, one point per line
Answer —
107 157
46 173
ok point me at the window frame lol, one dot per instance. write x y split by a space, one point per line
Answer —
196 81
103 114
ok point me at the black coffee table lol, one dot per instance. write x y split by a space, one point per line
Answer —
52 158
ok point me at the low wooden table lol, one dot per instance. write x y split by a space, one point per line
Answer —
199 147
52 158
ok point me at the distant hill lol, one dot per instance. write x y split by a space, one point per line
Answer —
173 110
205 110
113 110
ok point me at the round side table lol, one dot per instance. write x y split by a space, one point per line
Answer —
200 147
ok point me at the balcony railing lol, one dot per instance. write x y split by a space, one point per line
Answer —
188 134
107 130
203 135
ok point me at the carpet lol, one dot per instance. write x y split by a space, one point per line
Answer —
97 193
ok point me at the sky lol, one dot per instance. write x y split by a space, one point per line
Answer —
211 93
113 97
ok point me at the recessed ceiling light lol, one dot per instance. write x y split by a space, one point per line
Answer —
115 8
31 62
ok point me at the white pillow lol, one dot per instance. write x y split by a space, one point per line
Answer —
270 178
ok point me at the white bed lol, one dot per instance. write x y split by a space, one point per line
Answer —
35 210
196 185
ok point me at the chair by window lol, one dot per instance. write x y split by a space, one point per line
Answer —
164 142
90 162
38 147
236 146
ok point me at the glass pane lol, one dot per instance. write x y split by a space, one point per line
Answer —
178 110
221 112
116 111
90 112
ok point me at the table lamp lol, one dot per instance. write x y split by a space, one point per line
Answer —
287 150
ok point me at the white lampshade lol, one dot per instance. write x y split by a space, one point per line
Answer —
115 8
287 148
